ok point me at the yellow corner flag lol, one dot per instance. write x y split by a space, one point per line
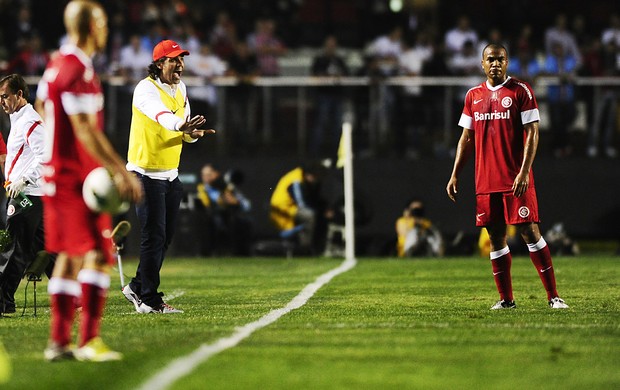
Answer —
342 151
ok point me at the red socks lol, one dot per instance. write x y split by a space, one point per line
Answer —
541 257
63 294
501 260
92 285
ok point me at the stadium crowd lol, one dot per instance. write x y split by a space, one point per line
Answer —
247 39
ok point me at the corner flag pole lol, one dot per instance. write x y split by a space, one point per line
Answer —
349 217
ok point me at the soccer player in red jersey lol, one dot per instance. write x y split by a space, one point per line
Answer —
72 100
500 123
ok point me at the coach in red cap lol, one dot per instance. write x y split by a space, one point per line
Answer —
161 121
168 48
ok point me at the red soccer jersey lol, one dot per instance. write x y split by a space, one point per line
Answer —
69 86
497 115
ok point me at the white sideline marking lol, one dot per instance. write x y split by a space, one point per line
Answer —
174 294
186 364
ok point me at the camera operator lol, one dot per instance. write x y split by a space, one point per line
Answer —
229 228
416 234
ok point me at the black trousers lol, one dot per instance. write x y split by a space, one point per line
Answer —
25 226
157 215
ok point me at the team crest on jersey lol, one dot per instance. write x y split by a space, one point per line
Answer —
524 212
10 210
506 102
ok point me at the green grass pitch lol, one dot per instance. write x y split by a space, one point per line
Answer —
385 324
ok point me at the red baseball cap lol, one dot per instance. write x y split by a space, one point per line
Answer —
168 48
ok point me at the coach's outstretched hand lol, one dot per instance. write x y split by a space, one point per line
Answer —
191 125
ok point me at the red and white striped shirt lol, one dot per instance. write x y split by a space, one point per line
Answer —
25 149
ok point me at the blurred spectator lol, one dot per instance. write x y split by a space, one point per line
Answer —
456 37
155 33
267 47
561 97
524 64
384 52
434 96
151 12
606 107
467 62
559 34
223 37
175 12
207 66
228 225
330 99
581 33
134 60
32 58
117 40
412 110
19 28
387 49
185 34
416 235
584 93
297 207
612 33
494 36
242 98
524 41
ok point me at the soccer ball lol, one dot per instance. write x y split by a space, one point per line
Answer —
101 195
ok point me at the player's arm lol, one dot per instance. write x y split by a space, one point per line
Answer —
97 145
464 149
39 105
522 181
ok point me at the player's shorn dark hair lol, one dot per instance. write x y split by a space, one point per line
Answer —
495 46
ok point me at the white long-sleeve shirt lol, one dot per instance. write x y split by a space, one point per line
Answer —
25 149
146 98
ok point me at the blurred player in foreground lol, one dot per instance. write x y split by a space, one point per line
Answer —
73 103
500 122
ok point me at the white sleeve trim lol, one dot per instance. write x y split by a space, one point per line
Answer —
81 103
530 116
466 121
